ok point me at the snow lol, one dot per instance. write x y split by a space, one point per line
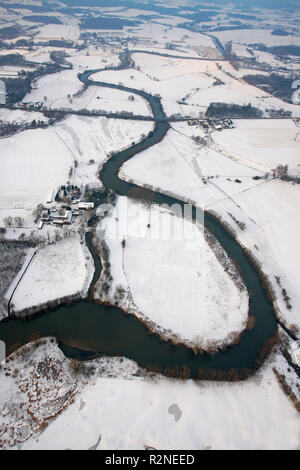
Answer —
19 116
91 140
42 54
60 88
162 34
237 91
171 78
256 36
138 413
11 71
171 20
57 271
269 209
241 51
295 353
128 12
177 165
32 164
57 31
270 212
164 68
175 78
30 392
104 99
271 144
188 277
54 87
29 254
115 405
92 57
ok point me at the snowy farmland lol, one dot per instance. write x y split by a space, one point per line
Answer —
226 178
179 166
260 417
44 157
17 116
190 297
196 83
54 87
160 35
172 277
236 91
91 140
32 164
57 31
256 36
116 407
104 99
270 215
59 271
269 210
171 78
267 143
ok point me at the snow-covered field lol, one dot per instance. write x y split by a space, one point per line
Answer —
238 92
104 99
256 36
195 80
92 57
171 78
182 287
58 31
91 140
219 178
180 166
270 214
241 51
11 71
52 88
60 270
19 116
113 408
32 164
165 68
160 35
169 274
267 143
88 58
42 54
57 90
36 162
246 416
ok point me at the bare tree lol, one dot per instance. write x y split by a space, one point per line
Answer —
8 221
38 212
19 221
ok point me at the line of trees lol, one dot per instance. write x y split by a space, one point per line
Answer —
13 221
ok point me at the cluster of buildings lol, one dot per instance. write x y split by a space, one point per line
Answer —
217 124
64 215
32 106
297 121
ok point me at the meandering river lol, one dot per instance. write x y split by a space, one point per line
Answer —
86 328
